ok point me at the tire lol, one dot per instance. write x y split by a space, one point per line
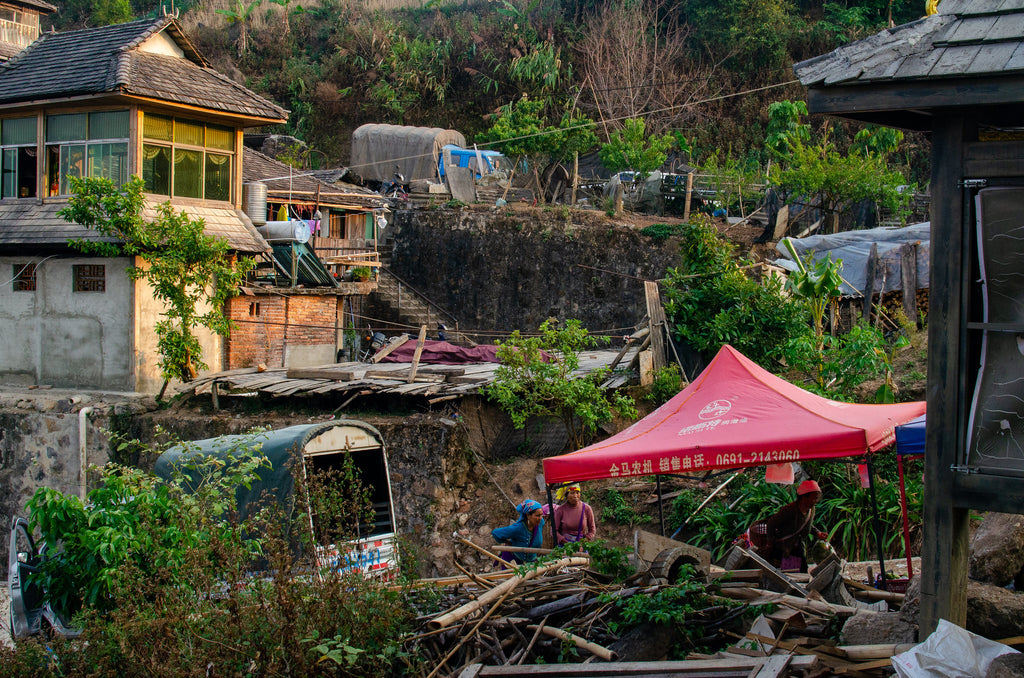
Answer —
669 562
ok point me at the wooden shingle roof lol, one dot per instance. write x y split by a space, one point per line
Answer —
967 38
107 60
29 225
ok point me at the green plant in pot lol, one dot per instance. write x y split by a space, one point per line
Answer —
361 273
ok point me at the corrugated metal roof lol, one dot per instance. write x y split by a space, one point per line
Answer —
106 60
967 38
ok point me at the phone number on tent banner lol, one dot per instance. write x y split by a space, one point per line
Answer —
675 464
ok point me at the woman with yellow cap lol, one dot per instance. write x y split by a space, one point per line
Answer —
574 519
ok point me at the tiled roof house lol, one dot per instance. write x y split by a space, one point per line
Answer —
134 99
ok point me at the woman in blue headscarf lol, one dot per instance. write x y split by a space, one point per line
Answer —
527 531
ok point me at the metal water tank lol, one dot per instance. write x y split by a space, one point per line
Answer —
254 202
285 231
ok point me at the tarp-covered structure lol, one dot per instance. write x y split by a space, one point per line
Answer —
854 248
377 149
735 414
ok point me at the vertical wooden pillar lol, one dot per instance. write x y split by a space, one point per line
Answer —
689 193
944 554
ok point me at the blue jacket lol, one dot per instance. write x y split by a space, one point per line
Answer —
517 534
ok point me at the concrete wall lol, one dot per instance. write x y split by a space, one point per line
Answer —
39 442
147 355
60 337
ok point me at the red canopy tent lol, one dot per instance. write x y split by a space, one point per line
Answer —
735 414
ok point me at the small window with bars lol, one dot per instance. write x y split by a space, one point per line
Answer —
24 277
90 278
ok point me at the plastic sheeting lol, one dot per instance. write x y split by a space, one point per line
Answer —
854 248
377 149
443 353
949 652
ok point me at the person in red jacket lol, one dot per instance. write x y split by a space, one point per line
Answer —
787 529
574 519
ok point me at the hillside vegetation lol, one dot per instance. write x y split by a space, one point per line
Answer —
702 70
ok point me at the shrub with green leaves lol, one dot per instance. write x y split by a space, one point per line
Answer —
536 379
711 301
168 580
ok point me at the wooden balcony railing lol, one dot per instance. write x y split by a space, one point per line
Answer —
18 34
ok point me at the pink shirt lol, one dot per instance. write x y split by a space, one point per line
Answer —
567 522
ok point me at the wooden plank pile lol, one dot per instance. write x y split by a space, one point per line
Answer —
562 617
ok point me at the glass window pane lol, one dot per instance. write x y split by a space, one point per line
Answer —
27 171
186 132
18 131
108 125
218 177
222 138
66 127
156 169
9 176
109 161
156 127
188 173
72 163
53 170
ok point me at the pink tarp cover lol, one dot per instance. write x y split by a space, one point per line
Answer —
735 414
443 353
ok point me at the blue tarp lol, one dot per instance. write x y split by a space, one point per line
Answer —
910 437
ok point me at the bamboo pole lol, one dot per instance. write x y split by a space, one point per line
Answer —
503 589
482 550
582 643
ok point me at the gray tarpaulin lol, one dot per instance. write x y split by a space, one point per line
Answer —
854 247
376 149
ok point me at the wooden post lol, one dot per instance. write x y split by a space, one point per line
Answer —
689 190
416 354
869 283
908 274
944 550
657 315
575 176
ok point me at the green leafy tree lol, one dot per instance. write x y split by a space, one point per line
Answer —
711 301
184 267
632 149
536 379
785 129
819 169
135 522
522 130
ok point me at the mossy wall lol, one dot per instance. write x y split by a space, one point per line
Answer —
513 269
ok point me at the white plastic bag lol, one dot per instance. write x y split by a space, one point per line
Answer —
949 652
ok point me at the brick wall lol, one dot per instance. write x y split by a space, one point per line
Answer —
265 324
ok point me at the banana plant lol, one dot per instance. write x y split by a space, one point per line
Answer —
817 285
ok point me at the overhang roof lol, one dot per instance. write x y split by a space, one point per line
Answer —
107 60
38 5
969 54
26 224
